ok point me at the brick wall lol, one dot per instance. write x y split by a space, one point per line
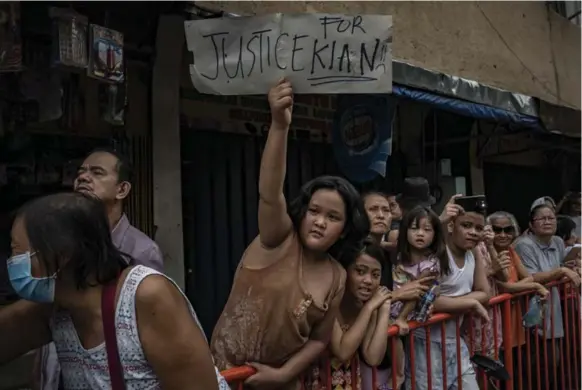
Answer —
312 114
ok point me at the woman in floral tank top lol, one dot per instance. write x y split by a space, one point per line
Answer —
62 257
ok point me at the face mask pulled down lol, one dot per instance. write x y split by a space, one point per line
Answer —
41 290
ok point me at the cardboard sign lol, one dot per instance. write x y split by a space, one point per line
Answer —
317 53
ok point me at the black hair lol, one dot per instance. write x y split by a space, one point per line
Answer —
123 165
369 247
375 251
565 227
73 226
373 192
437 247
567 207
357 224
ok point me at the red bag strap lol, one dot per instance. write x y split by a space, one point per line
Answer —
108 315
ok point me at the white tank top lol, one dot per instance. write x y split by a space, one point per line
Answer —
460 280
457 283
84 369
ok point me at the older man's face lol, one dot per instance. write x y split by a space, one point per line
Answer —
98 176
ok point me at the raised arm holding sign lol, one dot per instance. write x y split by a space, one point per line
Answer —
317 53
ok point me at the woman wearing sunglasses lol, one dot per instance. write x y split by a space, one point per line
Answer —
506 230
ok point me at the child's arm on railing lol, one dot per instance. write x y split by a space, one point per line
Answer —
270 377
299 362
454 305
402 320
376 340
343 345
370 331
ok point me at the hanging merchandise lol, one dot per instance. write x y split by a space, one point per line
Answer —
105 54
112 103
362 135
69 38
10 37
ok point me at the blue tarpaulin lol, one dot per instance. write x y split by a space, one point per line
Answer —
465 108
362 129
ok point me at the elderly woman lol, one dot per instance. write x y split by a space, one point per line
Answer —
542 253
506 229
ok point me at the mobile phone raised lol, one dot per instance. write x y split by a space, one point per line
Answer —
476 203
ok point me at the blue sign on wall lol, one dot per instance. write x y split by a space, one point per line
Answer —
362 135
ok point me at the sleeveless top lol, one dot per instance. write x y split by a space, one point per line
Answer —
269 315
85 369
457 283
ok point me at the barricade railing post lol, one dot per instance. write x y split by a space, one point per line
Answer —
506 323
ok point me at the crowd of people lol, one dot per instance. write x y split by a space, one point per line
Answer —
328 274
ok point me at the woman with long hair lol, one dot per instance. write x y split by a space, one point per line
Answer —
109 322
361 323
288 285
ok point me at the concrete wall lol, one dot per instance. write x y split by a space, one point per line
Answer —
517 46
166 144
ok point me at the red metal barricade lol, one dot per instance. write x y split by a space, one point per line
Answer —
527 363
499 307
546 360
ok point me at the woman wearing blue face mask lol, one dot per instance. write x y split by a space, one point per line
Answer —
109 322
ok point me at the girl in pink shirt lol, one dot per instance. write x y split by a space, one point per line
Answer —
421 257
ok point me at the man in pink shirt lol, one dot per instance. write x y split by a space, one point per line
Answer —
105 174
